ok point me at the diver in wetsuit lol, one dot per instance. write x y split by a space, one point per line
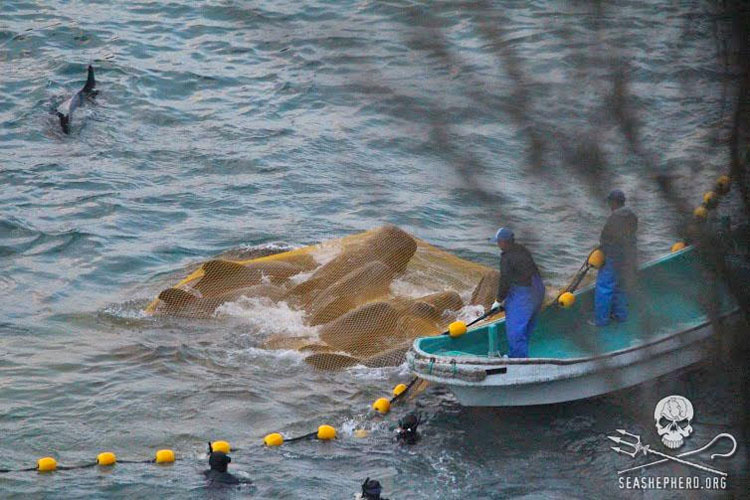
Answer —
407 429
371 490
217 476
521 288
616 276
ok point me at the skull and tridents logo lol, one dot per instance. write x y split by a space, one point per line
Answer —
673 416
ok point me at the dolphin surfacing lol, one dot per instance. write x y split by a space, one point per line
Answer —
65 110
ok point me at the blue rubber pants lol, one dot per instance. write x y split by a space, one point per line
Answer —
522 307
610 299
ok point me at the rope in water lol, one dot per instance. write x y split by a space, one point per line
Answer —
166 456
105 459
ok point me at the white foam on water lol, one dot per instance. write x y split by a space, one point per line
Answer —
361 372
402 288
466 295
282 247
325 252
469 313
322 254
300 277
267 317
289 356
128 310
349 425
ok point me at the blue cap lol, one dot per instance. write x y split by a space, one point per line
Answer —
616 195
503 234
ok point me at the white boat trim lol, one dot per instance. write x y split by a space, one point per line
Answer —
481 381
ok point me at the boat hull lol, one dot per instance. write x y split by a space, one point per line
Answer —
515 382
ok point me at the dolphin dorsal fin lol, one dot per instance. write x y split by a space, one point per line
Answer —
64 122
90 81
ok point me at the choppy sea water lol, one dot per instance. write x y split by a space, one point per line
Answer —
227 125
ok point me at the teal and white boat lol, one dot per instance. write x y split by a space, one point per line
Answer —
570 359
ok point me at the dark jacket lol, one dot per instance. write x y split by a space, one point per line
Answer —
618 238
517 267
216 479
218 476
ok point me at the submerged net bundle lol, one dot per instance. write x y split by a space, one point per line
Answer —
364 297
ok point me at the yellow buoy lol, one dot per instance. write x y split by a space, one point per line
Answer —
360 433
566 299
222 446
722 184
596 259
106 458
678 246
46 464
399 389
700 212
709 197
326 433
164 457
456 329
382 405
274 439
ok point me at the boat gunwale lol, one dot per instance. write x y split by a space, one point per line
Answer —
477 360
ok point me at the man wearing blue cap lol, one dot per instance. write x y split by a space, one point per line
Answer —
522 290
618 242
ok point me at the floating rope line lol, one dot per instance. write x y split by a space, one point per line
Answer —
305 436
3 471
167 456
327 433
104 459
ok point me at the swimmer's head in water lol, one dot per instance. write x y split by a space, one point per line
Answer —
407 429
371 489
218 461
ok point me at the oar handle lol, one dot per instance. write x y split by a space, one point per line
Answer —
480 318
402 394
486 315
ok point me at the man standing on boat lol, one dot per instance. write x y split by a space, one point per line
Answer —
521 288
618 242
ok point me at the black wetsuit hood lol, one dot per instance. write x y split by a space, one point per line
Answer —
407 429
219 461
371 490
218 476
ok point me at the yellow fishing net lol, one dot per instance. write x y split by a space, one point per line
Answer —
364 297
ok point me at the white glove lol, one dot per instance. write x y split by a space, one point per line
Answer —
495 306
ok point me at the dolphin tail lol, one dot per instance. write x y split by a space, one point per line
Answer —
64 122
90 81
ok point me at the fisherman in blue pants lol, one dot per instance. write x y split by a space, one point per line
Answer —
521 288
618 242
